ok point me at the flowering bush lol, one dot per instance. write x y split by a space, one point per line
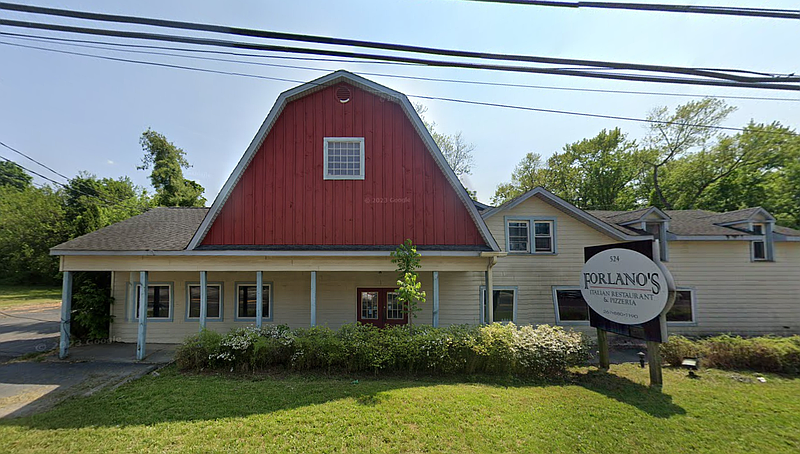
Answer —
492 349
547 350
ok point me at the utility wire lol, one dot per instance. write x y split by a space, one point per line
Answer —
428 62
120 47
695 9
37 162
462 101
69 188
182 25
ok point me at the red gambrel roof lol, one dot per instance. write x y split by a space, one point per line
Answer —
277 196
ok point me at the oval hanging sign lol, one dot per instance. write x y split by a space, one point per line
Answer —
624 286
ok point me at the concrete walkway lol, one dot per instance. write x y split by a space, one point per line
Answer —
32 386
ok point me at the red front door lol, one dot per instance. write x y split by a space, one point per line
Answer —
380 307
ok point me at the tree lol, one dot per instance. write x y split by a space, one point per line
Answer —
91 203
14 176
168 162
756 167
598 173
529 173
673 134
31 222
456 150
409 290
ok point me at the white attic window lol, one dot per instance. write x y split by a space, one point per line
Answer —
343 158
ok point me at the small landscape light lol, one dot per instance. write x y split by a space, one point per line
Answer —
641 359
692 364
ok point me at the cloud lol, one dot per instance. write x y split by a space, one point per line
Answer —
110 162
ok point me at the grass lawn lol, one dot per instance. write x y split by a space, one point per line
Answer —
12 296
591 412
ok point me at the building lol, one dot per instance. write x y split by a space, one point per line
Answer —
340 173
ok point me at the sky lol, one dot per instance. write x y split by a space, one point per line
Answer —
76 113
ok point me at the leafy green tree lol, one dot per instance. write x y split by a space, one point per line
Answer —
672 135
529 173
756 167
409 289
31 222
14 176
598 173
91 203
168 162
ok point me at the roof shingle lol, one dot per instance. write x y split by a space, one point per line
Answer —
158 229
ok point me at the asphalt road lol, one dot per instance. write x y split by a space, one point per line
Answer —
29 329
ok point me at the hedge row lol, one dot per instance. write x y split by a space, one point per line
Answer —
494 349
762 354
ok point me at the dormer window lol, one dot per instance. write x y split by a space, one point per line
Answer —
343 158
758 248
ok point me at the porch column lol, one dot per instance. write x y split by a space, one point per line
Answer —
489 294
259 298
66 314
313 299
435 299
140 343
203 299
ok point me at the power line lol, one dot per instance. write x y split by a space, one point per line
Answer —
462 101
37 162
395 58
694 9
583 114
69 188
123 47
182 25
204 51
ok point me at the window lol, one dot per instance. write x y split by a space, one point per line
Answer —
571 308
530 236
394 308
344 158
213 303
518 236
683 309
543 236
246 301
759 247
504 300
159 301
369 305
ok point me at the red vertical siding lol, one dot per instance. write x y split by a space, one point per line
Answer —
282 198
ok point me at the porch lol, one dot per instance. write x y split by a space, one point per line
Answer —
178 296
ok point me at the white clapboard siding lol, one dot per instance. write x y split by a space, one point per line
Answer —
733 294
534 275
336 301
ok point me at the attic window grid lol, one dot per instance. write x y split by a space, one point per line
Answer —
344 158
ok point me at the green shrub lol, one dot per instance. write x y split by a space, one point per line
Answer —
316 348
677 348
493 349
196 351
761 354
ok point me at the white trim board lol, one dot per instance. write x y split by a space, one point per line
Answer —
567 207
